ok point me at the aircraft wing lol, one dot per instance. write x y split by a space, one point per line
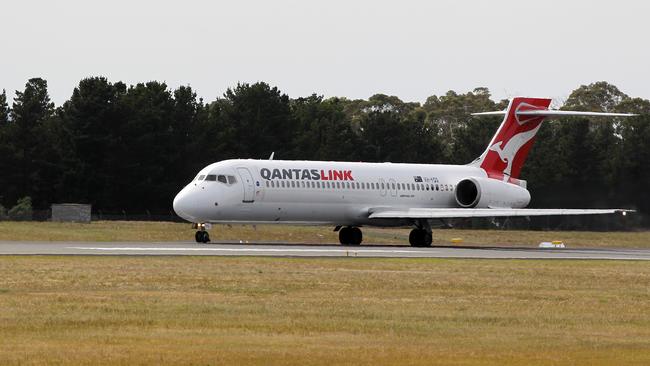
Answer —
449 213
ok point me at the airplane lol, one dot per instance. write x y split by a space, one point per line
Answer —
351 195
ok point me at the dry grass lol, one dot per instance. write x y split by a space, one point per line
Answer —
280 311
167 231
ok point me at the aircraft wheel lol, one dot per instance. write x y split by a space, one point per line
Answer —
350 236
428 239
420 238
344 236
202 236
355 236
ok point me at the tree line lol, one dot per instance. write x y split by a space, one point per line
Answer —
133 147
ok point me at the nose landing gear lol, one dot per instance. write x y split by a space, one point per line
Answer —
201 236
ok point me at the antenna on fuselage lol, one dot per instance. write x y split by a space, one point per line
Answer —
271 157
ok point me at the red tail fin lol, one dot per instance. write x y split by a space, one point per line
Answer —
506 153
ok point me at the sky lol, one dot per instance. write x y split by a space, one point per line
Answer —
351 48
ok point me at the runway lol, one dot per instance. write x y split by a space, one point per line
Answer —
312 250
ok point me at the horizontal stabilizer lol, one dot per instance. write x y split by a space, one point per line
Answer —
556 113
450 213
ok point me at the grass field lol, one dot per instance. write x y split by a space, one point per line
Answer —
281 311
167 231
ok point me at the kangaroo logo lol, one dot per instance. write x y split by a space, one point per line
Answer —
508 152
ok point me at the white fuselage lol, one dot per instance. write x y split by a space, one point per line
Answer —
315 192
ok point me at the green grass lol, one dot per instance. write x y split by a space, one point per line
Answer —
280 311
168 231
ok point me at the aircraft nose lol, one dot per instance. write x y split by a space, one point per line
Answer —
183 205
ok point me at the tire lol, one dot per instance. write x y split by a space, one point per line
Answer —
356 237
198 237
420 238
428 240
415 237
206 237
344 236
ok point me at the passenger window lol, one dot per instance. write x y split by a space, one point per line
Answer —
437 187
317 184
347 185
267 184
338 185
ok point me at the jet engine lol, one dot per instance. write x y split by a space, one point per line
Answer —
477 192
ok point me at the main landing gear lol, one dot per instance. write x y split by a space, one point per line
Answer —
201 235
421 236
350 235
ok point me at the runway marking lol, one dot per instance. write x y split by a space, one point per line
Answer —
269 250
431 253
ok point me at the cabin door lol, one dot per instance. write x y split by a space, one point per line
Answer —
392 187
249 185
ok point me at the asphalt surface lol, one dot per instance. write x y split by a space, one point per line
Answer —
312 250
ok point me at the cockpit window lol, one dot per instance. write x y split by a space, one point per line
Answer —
221 178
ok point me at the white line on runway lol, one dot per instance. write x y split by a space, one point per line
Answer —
361 252
269 250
